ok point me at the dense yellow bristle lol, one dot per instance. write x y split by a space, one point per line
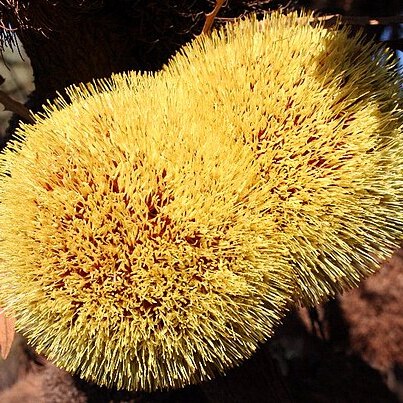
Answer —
154 229
129 253
322 113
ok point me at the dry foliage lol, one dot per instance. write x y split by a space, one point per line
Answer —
7 332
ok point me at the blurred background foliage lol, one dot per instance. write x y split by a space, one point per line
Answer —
16 70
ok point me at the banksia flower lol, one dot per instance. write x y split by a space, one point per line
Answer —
130 249
155 229
321 111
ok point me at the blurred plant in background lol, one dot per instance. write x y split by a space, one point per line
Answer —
15 69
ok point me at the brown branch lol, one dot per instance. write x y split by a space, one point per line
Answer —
15 107
210 17
331 20
334 19
4 28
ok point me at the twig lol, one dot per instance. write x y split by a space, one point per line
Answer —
334 19
15 107
211 16
4 28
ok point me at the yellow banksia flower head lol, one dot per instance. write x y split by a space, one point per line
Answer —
154 229
131 253
322 112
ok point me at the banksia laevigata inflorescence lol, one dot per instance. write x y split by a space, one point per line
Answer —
155 228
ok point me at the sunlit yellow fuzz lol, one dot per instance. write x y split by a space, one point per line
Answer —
154 229
322 113
131 249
